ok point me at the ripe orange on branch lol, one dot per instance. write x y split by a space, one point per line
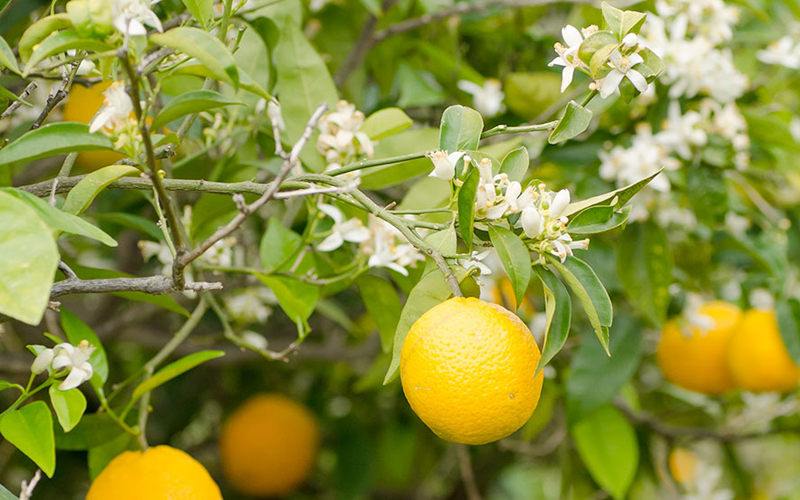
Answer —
468 371
81 106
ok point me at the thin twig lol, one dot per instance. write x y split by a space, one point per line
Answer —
68 272
153 285
16 104
467 474
27 488
58 96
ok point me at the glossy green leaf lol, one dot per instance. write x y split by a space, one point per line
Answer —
40 30
278 245
386 122
515 258
515 164
204 47
7 58
68 405
62 42
431 290
77 331
81 196
297 299
558 308
28 261
304 83
194 101
59 220
4 493
200 9
30 429
606 442
93 430
651 65
617 198
595 378
599 219
644 266
246 81
8 95
101 455
612 17
173 370
461 129
631 22
788 312
131 221
591 294
51 140
573 122
383 305
415 140
595 42
466 206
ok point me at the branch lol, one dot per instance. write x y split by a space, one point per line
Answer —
364 42
522 129
27 488
467 475
153 285
58 96
16 104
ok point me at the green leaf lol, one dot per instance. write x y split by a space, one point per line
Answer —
77 331
297 299
61 221
515 164
383 305
617 198
131 221
7 58
461 129
6 495
93 430
590 292
631 22
415 140
173 370
707 191
466 206
607 444
595 42
599 219
386 122
515 258
788 312
52 140
651 65
30 429
613 18
68 405
8 385
278 244
245 79
200 9
573 122
431 290
191 102
644 265
6 94
595 378
28 261
101 455
558 307
40 30
82 195
204 47
62 42
304 83
527 94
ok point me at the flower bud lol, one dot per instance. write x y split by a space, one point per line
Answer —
42 361
531 222
559 204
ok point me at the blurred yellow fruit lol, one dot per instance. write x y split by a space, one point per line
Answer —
81 106
160 473
757 355
696 361
683 465
269 445
503 294
467 369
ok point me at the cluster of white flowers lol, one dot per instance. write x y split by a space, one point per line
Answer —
488 98
116 118
131 16
784 52
621 63
341 139
380 241
689 36
69 357
250 305
706 485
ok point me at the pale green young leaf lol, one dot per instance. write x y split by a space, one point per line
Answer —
297 299
62 42
28 261
173 370
515 164
51 140
40 30
460 129
7 58
30 429
573 122
386 122
200 9
8 385
68 405
81 196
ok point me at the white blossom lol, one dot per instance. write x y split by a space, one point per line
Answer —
444 165
706 485
622 67
487 99
116 111
251 305
784 52
531 222
75 359
682 132
568 56
386 247
341 139
351 230
131 16
643 158
476 261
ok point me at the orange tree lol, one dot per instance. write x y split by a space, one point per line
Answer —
207 200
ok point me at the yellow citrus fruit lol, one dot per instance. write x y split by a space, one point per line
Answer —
81 106
683 465
160 473
757 355
467 369
269 445
695 360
